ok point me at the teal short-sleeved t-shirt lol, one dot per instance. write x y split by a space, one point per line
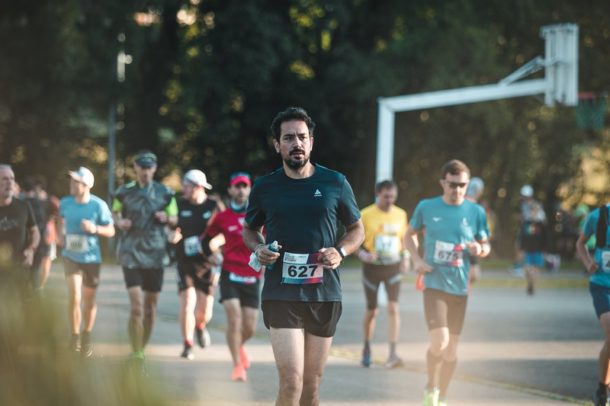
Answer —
601 255
79 246
448 229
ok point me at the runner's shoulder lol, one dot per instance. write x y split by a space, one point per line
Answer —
164 188
125 189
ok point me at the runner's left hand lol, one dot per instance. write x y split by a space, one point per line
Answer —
475 248
330 257
161 217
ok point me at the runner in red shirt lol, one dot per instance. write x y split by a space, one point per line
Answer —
239 284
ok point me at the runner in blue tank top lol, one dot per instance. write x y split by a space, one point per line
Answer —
598 268
454 230
299 205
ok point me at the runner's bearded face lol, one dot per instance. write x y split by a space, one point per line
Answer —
295 144
144 175
454 187
7 183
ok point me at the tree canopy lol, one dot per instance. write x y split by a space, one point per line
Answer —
208 76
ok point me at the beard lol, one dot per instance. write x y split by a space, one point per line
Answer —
296 163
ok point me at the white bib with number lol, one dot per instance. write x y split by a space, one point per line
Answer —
77 243
192 246
387 248
301 269
449 254
606 261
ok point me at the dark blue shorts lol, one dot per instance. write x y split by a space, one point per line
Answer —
533 259
601 298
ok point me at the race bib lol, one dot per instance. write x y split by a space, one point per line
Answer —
192 246
605 261
446 253
302 269
244 280
77 243
388 247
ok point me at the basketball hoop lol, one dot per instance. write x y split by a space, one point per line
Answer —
591 110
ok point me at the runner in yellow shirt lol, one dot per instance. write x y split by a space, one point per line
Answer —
384 258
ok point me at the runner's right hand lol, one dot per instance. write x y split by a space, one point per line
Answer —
265 255
422 267
124 224
366 256
593 267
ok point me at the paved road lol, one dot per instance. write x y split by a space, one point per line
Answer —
515 350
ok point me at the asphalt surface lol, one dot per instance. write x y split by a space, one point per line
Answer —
514 350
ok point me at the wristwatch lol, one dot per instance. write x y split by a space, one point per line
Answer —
341 252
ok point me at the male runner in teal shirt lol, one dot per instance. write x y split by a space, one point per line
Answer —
454 230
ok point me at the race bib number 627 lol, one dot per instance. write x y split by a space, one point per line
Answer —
301 269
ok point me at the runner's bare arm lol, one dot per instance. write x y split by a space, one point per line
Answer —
411 243
254 240
584 255
479 248
349 243
33 241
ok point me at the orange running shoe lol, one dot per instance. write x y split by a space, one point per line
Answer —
243 356
239 374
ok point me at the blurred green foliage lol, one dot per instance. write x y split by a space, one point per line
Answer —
208 76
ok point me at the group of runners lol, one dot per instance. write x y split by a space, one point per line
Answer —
283 226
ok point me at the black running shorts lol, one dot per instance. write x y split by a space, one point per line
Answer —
150 280
316 318
444 310
90 272
247 293
373 275
188 278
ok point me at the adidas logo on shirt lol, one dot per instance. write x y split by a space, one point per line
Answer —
318 193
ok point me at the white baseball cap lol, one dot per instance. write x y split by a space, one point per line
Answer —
196 177
83 175
527 191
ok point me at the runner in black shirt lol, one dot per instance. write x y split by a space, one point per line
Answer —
19 235
299 205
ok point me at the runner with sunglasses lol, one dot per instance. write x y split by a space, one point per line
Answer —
454 230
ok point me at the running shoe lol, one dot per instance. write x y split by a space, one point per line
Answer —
74 345
366 357
431 397
243 356
394 361
86 348
239 373
203 337
188 353
600 399
137 364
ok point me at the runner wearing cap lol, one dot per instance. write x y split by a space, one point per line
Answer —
84 217
300 206
19 235
196 280
239 284
142 209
